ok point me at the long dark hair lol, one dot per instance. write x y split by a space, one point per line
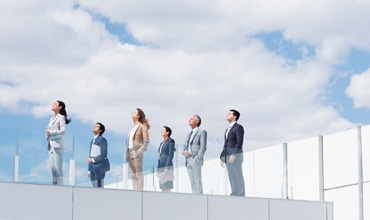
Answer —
142 118
63 111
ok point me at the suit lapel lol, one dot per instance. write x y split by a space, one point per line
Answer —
191 140
232 128
55 119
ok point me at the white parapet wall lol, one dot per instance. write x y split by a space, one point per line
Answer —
20 201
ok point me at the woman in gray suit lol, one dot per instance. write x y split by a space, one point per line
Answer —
56 145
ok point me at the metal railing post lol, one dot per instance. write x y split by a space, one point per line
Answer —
16 161
321 167
285 171
360 176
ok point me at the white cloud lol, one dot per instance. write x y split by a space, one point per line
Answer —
203 63
359 90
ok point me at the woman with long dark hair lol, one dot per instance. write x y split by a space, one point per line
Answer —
56 145
138 140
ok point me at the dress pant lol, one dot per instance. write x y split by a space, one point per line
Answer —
56 163
96 178
136 168
194 169
236 178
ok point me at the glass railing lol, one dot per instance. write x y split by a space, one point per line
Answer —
273 172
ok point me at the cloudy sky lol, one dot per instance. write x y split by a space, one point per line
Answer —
293 68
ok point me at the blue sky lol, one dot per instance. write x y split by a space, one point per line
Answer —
291 75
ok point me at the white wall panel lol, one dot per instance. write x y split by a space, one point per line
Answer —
91 204
237 208
297 210
20 201
169 206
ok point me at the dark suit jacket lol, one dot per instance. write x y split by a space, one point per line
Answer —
101 161
166 155
234 143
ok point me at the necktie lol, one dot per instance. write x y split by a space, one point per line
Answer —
188 142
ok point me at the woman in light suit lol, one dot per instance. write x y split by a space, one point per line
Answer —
165 166
138 140
56 145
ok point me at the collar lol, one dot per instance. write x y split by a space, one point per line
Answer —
232 124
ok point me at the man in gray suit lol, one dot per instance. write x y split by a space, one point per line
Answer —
194 149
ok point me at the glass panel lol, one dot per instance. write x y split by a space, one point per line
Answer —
183 178
303 169
269 172
116 152
81 153
248 173
34 165
365 130
345 202
213 174
8 146
340 159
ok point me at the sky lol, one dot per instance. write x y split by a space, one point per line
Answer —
294 69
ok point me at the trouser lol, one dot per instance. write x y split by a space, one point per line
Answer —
56 163
236 178
136 168
194 169
96 178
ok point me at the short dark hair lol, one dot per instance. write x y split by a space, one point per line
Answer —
102 128
197 117
235 113
168 129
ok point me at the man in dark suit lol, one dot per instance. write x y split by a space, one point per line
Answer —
98 161
232 153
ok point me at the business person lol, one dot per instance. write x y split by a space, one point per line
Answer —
98 161
166 151
194 149
56 145
138 140
232 153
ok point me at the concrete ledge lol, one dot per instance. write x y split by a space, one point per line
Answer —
19 201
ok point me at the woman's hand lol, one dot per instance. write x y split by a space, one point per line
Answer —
47 133
165 171
156 173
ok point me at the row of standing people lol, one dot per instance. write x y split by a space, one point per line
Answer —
138 139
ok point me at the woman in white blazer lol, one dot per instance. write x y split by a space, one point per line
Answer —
56 145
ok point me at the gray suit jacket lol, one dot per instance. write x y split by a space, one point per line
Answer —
56 139
198 145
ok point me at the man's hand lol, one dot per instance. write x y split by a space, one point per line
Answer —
165 171
89 160
222 164
186 153
156 173
232 159
88 174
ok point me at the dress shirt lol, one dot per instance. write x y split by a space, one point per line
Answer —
228 129
94 143
132 133
195 130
